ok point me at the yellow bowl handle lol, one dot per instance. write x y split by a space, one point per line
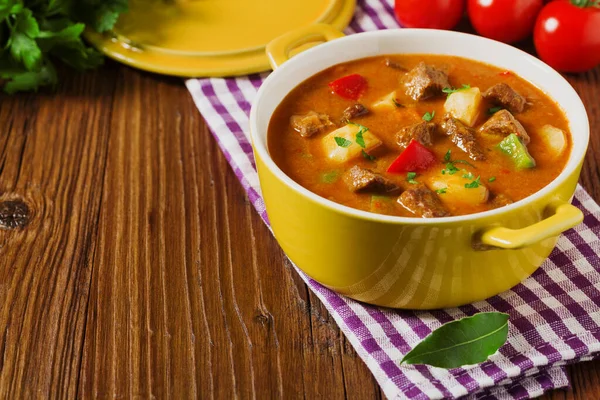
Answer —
565 217
278 50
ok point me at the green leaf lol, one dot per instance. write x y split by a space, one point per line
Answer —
368 156
25 50
441 191
26 24
410 178
58 7
330 177
21 81
342 142
37 32
71 32
99 15
359 139
448 160
359 135
450 169
428 116
473 185
468 175
454 90
467 341
448 156
494 110
586 3
8 7
492 179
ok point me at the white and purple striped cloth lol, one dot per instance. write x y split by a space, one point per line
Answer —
554 315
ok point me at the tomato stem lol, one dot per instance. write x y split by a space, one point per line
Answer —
586 3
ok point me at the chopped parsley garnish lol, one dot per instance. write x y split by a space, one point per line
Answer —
410 178
450 169
448 156
473 185
428 116
360 140
468 175
399 105
359 135
492 179
330 177
448 159
342 142
450 90
368 156
441 191
494 110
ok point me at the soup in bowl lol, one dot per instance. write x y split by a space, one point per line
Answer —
419 136
416 168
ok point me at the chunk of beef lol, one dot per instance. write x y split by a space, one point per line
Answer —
421 132
425 81
500 200
505 96
360 179
310 123
503 123
355 110
422 202
463 137
394 65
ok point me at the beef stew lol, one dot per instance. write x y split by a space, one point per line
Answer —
422 136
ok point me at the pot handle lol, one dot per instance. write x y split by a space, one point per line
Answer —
278 50
566 216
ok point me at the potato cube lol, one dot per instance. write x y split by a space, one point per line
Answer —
341 145
554 139
454 191
385 103
464 105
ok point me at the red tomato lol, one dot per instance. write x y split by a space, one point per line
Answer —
434 14
415 157
350 87
567 37
508 21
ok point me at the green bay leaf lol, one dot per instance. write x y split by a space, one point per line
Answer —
467 341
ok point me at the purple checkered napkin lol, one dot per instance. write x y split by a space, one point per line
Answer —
554 315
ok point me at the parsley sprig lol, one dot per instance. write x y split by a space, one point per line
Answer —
38 33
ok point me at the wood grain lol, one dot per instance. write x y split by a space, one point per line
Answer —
142 269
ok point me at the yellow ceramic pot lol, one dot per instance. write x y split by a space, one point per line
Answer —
410 262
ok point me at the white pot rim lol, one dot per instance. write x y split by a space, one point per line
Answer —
417 41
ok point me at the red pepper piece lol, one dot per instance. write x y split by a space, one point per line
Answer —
350 87
415 157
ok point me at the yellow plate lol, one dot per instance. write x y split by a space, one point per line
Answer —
210 37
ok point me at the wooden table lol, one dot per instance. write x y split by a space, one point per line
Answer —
138 267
